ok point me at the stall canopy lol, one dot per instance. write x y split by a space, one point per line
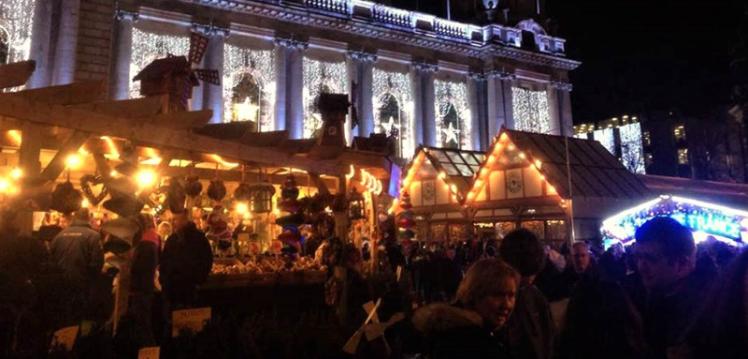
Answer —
732 194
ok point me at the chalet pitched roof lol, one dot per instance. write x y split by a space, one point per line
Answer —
377 142
595 173
460 166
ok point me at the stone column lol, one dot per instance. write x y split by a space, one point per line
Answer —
423 97
213 60
293 112
563 99
280 52
67 39
120 84
416 91
500 110
360 71
553 109
476 92
41 45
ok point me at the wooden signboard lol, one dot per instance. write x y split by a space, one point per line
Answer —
149 353
192 319
65 338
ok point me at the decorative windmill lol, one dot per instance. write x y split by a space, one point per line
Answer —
176 75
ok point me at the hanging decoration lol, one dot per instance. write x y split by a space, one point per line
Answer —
261 195
65 198
217 190
91 180
290 235
193 187
242 67
320 77
175 196
453 117
531 110
406 221
632 150
356 205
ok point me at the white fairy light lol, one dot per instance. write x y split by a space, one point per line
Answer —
606 137
320 77
148 46
632 152
450 95
260 66
16 22
531 111
387 85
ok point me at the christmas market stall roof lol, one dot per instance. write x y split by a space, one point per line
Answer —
732 194
459 166
589 175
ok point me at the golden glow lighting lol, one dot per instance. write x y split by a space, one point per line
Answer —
15 136
73 161
111 146
16 173
241 208
145 178
223 162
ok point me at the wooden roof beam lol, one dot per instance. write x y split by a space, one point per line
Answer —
73 94
16 74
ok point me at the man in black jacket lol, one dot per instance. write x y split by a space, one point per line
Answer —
185 262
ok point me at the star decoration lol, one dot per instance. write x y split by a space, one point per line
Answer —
451 134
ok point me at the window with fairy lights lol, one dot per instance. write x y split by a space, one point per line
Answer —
531 111
452 115
249 86
606 137
632 149
320 77
393 109
148 46
16 21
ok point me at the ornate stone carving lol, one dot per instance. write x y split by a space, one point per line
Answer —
125 15
501 75
291 43
421 66
362 56
210 30
561 85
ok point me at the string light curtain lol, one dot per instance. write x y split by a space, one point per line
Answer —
606 137
393 108
531 111
149 46
452 115
16 21
632 152
245 67
320 77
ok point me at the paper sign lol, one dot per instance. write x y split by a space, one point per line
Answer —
65 337
149 353
192 319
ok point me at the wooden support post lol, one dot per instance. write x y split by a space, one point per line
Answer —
28 161
57 165
341 218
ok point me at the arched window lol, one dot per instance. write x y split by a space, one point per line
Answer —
320 77
452 115
16 21
393 109
249 86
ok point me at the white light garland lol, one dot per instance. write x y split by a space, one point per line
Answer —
149 46
607 138
452 95
531 111
396 85
632 150
260 66
320 77
16 23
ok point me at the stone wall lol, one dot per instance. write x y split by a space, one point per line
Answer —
95 34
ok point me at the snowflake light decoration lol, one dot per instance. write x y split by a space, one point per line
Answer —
320 77
16 23
451 103
531 111
397 86
148 46
259 65
632 150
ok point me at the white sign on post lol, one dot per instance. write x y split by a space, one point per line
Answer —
192 319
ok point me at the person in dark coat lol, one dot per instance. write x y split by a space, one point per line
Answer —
472 326
77 252
531 329
674 293
185 262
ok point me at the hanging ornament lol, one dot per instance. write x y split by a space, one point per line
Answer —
406 219
262 197
193 187
290 189
216 190
175 196
65 198
243 192
91 180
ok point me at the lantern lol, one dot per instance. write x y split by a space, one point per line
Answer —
262 197
356 205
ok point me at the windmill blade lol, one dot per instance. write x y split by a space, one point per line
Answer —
198 45
210 76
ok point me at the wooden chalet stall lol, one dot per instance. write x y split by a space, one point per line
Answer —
74 133
524 180
437 181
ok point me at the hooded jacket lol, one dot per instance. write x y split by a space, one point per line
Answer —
76 250
452 332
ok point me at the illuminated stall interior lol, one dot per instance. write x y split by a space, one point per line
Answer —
523 181
437 181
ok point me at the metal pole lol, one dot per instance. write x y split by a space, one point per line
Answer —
449 10
571 190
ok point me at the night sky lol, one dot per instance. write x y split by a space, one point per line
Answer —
639 56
